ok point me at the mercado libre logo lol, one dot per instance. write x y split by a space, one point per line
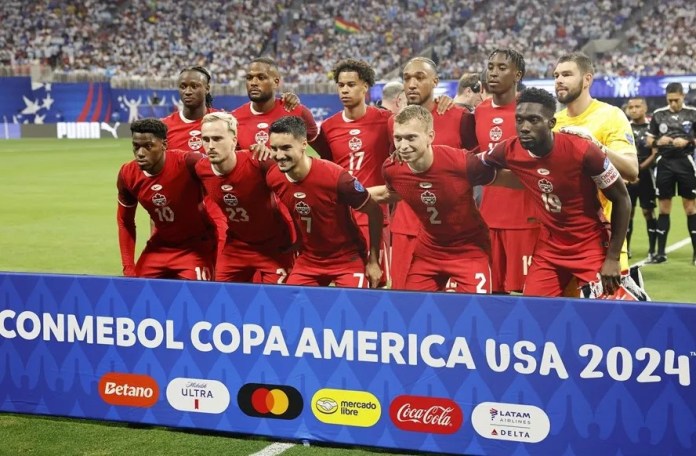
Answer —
281 402
512 422
426 414
198 395
346 407
128 390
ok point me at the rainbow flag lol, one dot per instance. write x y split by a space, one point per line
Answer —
343 26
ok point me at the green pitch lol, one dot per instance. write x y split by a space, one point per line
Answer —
58 214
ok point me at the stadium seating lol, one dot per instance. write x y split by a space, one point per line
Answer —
141 39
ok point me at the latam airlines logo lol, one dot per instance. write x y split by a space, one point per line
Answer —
512 422
346 407
426 414
129 390
281 402
198 395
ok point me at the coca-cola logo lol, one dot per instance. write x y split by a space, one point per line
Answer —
426 414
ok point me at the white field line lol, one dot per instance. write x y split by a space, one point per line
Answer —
274 449
669 249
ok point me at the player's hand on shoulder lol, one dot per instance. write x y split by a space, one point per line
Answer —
260 152
290 101
582 132
444 103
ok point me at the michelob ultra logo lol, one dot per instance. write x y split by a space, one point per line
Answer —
198 395
270 401
129 390
346 407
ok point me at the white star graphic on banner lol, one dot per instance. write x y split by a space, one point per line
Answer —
32 107
47 102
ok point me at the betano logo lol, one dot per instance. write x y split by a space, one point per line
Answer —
512 422
346 407
198 395
426 414
270 401
129 390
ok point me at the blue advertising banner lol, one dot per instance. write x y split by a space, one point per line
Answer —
445 373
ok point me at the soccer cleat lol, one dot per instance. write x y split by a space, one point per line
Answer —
657 259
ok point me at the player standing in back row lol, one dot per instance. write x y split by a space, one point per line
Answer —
358 138
509 213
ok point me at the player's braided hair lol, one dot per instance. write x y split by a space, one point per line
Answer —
150 125
364 70
540 96
512 55
204 71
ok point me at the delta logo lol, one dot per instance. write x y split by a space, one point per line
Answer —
198 395
346 407
433 415
511 422
128 390
280 402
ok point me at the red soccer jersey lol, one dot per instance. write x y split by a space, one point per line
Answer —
562 184
501 207
173 197
360 146
251 207
321 206
253 126
183 133
454 128
443 202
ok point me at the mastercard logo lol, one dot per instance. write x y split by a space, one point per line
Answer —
270 401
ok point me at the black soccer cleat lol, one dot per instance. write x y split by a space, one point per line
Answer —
657 259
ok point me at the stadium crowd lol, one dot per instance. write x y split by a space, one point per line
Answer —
662 42
97 37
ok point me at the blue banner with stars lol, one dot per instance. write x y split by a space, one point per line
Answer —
444 373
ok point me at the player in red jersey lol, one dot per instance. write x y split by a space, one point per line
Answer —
454 128
563 172
452 246
163 181
184 127
254 118
320 196
258 237
358 138
509 213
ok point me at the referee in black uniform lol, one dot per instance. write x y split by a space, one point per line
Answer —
672 132
643 191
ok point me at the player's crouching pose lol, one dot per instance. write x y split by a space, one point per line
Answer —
452 250
259 235
320 196
183 241
563 173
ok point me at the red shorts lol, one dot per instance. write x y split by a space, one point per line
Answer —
402 248
467 274
240 262
349 273
511 256
552 270
192 261
383 252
